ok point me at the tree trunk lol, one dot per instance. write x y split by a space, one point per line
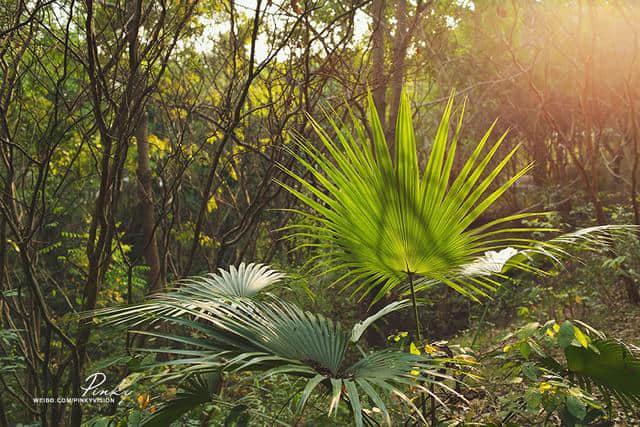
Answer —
156 279
397 67
378 80
633 293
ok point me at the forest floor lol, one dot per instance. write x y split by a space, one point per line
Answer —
606 308
616 317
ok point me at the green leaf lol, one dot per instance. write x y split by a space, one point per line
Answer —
530 371
238 417
533 399
527 330
197 389
576 407
614 369
525 349
383 218
565 334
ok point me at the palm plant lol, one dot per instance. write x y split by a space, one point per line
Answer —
215 329
609 365
381 223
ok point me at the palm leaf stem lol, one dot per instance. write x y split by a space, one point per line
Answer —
416 316
414 302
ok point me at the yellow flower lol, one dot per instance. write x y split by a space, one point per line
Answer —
506 348
430 349
543 387
143 400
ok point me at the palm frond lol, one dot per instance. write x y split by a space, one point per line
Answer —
194 391
497 263
380 219
611 366
229 333
246 280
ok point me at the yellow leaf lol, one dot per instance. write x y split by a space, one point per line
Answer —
551 333
413 349
582 339
556 327
415 373
506 348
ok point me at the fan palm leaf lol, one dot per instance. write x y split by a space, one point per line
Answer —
194 391
612 367
379 220
246 280
230 333
280 338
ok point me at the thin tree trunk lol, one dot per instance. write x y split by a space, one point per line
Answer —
397 67
378 39
632 289
156 280
3 415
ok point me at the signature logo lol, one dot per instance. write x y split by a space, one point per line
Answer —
94 387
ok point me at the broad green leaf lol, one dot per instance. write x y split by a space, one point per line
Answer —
576 407
565 334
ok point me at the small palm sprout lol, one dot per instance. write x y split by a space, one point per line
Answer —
218 323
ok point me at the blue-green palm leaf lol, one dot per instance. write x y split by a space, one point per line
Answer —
275 337
213 331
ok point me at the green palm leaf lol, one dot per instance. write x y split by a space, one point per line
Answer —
611 366
379 220
194 391
247 280
280 338
496 263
